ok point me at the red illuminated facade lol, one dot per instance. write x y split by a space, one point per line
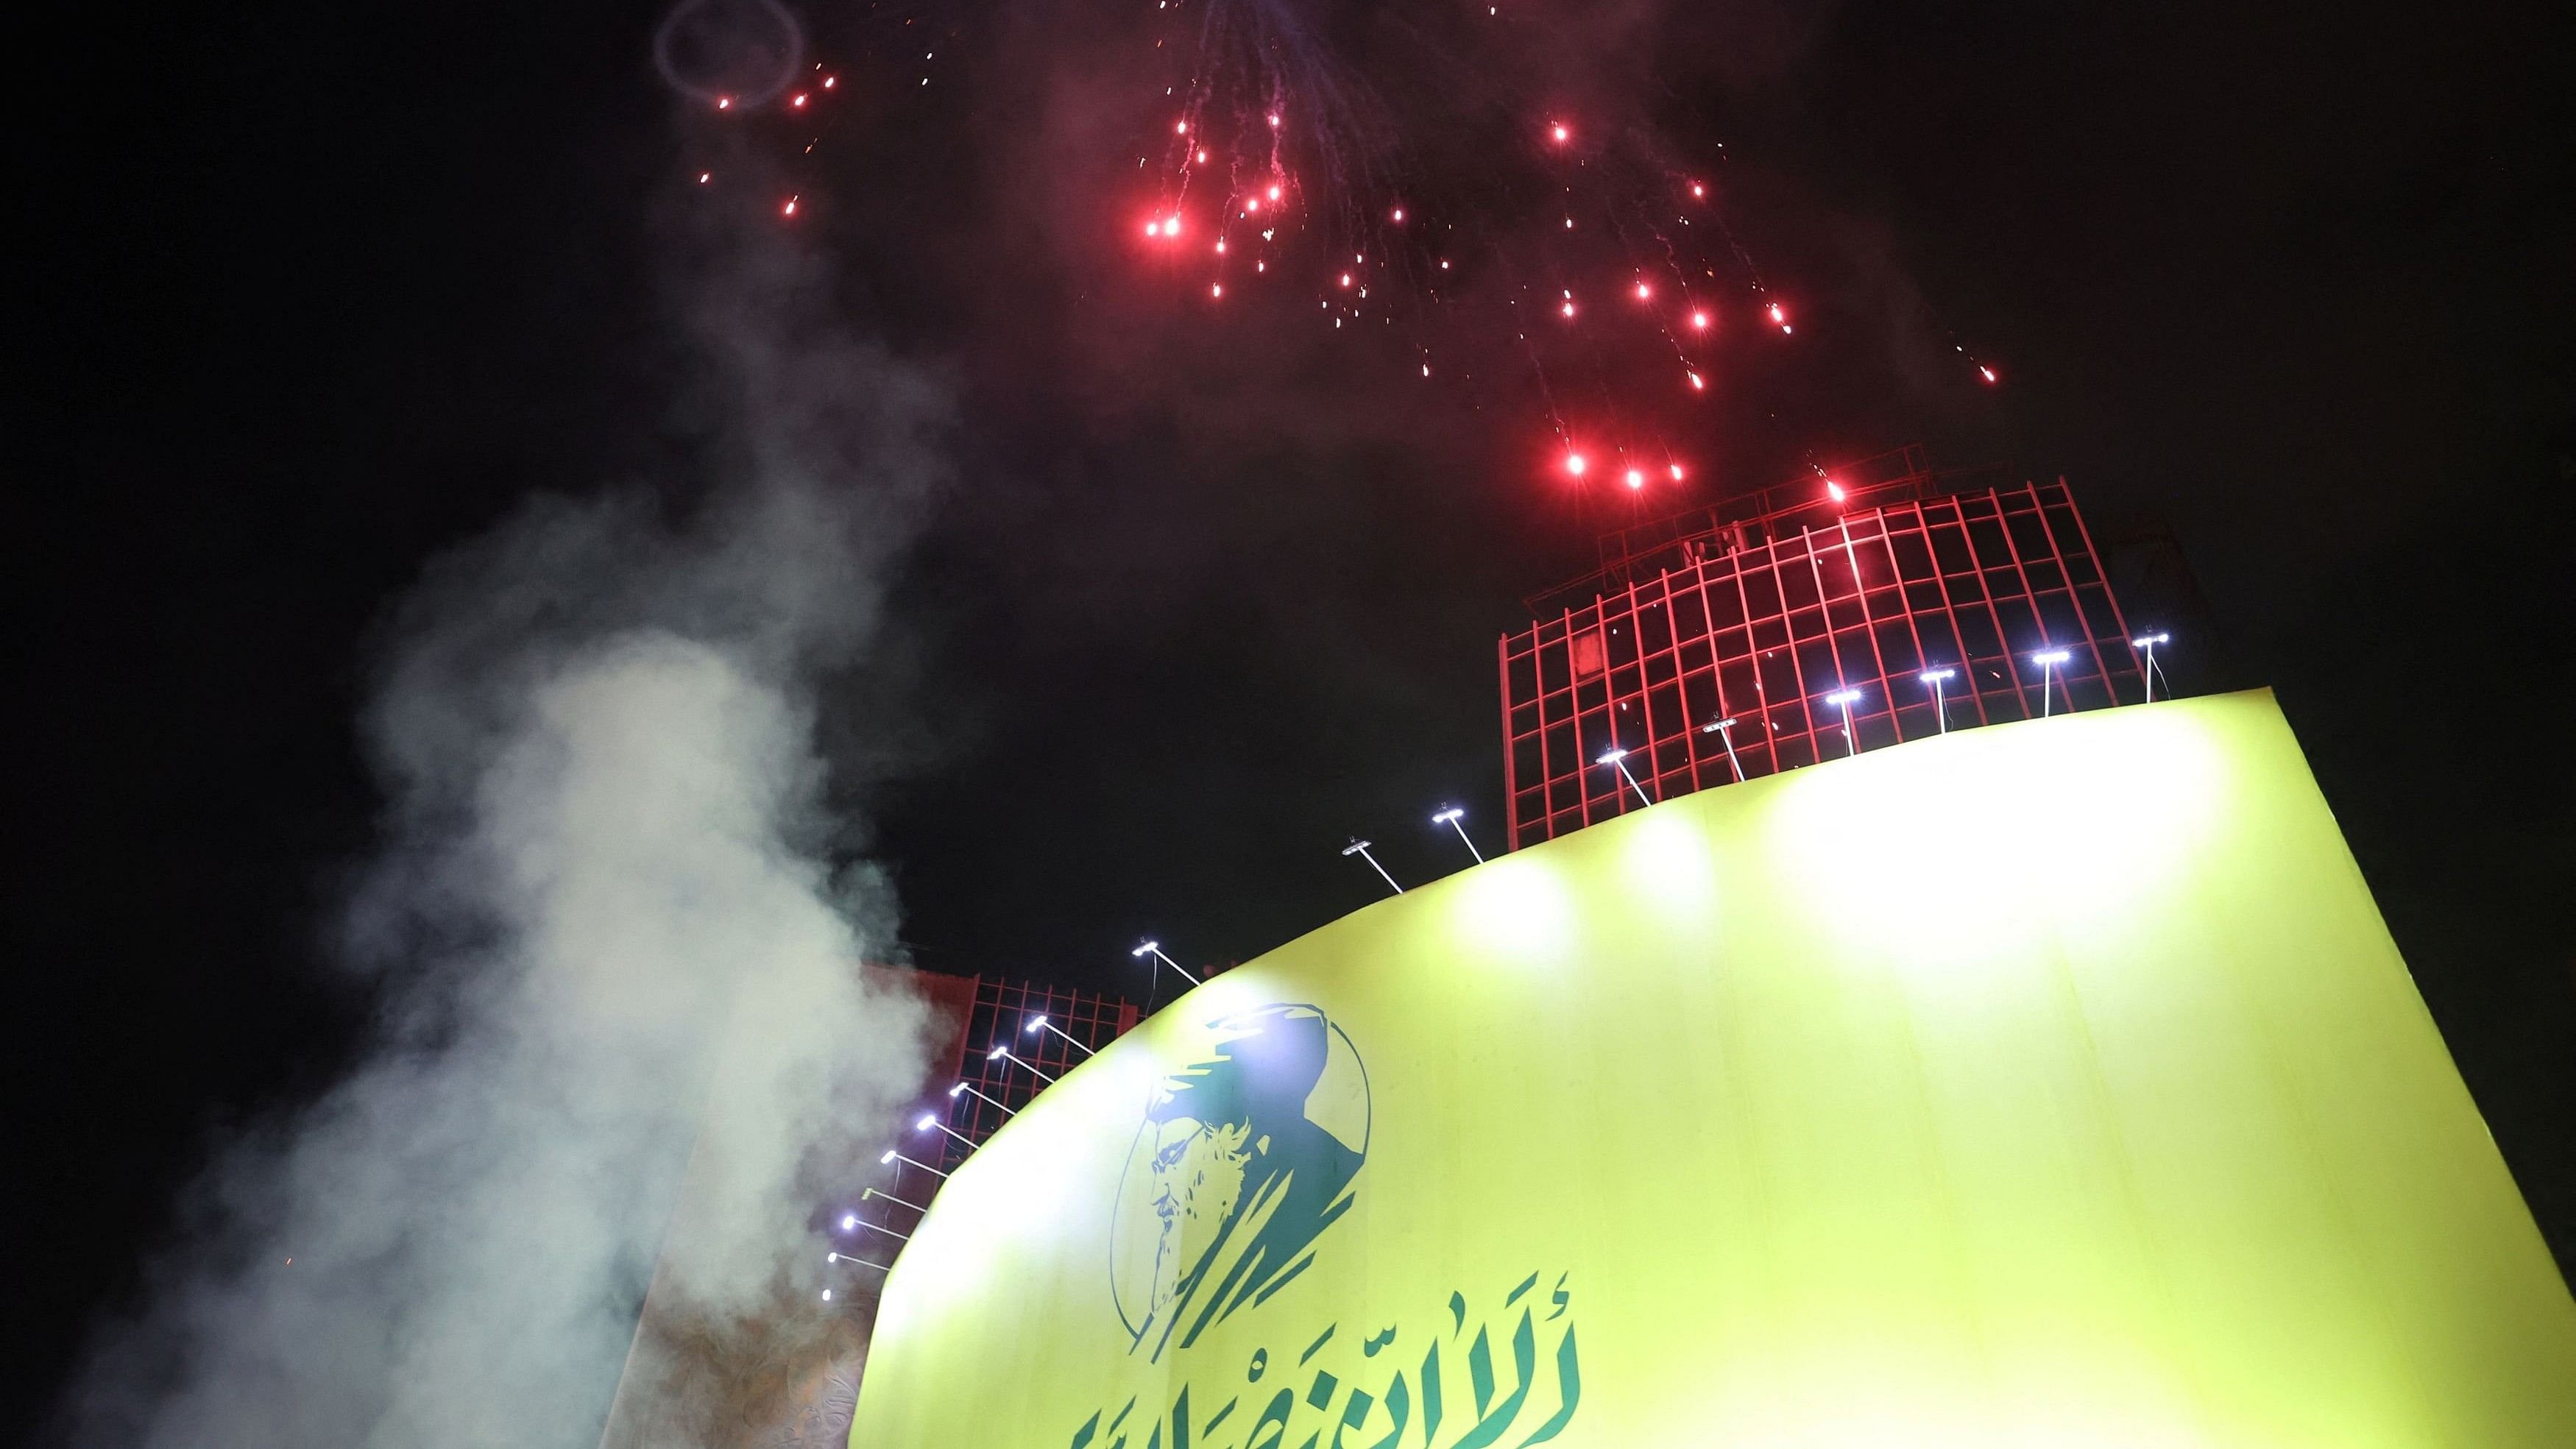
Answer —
1755 610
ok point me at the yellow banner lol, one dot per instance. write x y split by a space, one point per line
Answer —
2048 1084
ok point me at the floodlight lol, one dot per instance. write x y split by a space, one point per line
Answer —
1843 699
850 1220
980 1097
1040 1023
1940 706
827 1295
1617 758
1156 951
926 1123
2048 660
1360 848
1003 1053
997 1053
1724 729
888 1159
2148 643
1450 817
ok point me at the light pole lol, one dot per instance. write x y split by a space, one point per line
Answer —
892 1157
1451 817
1360 848
1618 759
930 1120
2149 643
1040 1023
1940 706
2048 660
1844 699
1724 729
1155 949
853 1258
1002 1053
890 1197
980 1097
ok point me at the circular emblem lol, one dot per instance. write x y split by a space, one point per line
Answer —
1247 1153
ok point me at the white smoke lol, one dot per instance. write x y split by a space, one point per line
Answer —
607 933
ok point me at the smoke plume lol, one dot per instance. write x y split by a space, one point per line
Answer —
611 946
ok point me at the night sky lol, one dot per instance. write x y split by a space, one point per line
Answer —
324 291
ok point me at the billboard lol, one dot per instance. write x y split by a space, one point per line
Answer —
2054 1083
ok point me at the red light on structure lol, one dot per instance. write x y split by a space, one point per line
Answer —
1574 464
1399 213
828 80
724 103
1560 133
1834 490
1698 190
1777 315
1987 373
790 208
1677 472
1700 320
1636 478
1696 384
799 99
1642 292
1180 128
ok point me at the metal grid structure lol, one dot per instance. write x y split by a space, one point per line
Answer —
1755 610
994 1088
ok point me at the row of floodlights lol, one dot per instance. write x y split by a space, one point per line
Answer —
1454 817
1843 699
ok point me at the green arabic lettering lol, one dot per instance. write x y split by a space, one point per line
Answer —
1525 1365
1274 1417
1569 1392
